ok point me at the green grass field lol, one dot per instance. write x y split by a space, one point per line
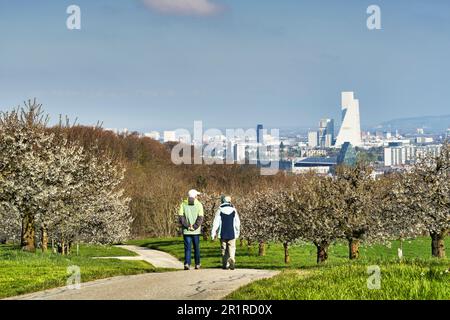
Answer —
412 280
302 256
418 276
23 272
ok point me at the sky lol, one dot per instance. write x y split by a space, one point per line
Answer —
161 64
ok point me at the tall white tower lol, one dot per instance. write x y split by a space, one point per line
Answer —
351 128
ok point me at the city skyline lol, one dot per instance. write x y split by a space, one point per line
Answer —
143 66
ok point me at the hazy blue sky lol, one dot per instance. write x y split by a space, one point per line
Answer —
232 63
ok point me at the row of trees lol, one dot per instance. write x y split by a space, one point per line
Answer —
353 206
52 187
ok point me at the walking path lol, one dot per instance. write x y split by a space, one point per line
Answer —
158 259
204 284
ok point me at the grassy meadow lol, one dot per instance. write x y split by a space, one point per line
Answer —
417 276
24 272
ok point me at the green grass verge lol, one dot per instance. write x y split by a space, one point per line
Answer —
418 276
23 272
414 280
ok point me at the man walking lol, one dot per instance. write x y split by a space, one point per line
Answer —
227 225
191 217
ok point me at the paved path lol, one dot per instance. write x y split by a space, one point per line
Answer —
156 258
204 284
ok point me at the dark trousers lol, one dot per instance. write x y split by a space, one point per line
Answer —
188 241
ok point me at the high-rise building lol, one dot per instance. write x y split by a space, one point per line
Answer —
313 139
259 139
326 133
350 128
259 133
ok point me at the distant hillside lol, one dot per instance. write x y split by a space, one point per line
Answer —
430 123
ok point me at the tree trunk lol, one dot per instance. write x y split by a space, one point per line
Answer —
62 247
262 249
287 258
353 248
44 239
249 246
437 244
322 251
205 234
28 242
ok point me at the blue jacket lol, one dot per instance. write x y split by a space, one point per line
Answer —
226 222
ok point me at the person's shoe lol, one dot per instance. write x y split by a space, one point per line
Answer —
232 265
186 267
197 266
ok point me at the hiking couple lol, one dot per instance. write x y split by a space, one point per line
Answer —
226 225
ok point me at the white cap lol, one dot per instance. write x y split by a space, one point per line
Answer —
227 199
193 193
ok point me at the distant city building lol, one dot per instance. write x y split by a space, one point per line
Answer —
123 131
317 165
329 141
259 133
155 135
347 155
447 135
350 130
269 139
420 131
259 140
397 142
169 136
239 152
308 153
421 140
326 133
313 139
398 155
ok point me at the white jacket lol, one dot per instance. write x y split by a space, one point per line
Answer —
225 209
